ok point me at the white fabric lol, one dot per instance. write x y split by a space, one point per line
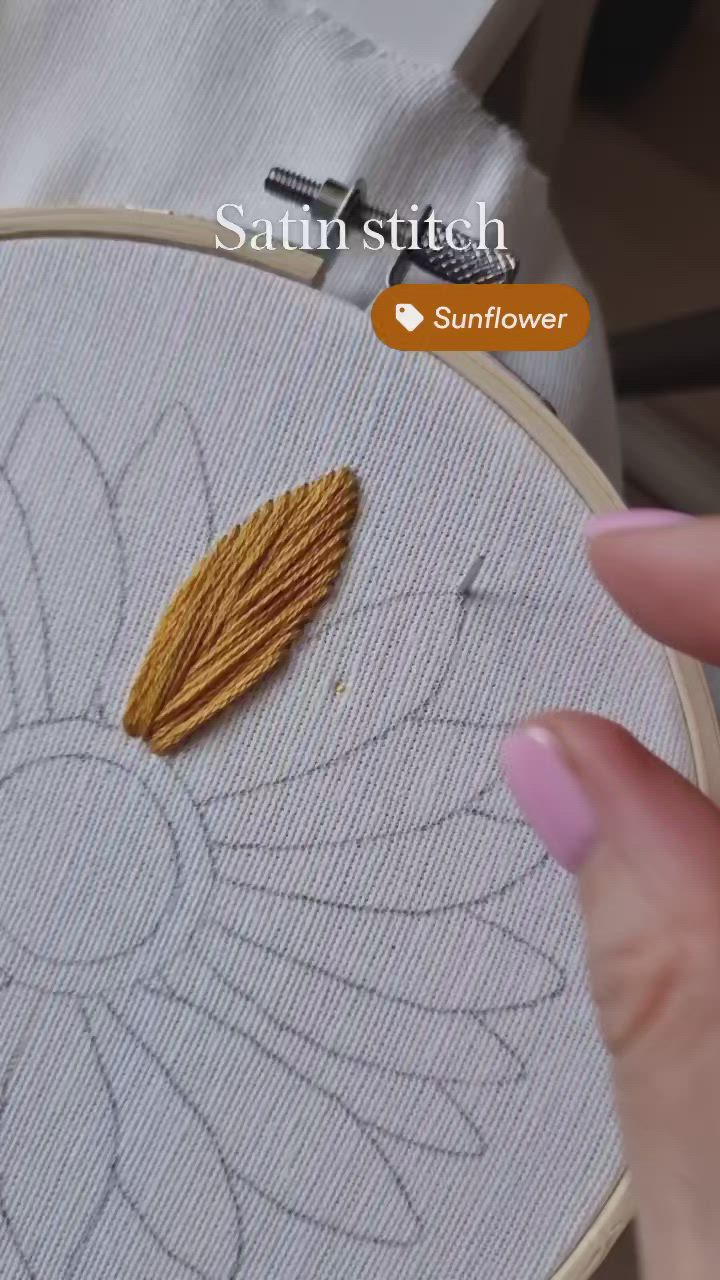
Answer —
186 105
305 1001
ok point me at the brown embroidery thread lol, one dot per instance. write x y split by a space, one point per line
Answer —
238 613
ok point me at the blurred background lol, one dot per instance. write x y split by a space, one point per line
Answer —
619 102
637 187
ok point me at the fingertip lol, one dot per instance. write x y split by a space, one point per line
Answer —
618 794
661 569
637 520
549 793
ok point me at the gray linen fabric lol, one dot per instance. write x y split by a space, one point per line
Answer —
304 1001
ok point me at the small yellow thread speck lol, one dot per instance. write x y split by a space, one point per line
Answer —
240 610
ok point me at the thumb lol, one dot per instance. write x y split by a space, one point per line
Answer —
646 847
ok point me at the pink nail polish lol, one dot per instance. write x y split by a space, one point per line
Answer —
635 521
549 795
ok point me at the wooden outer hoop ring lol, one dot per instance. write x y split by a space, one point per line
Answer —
530 413
154 226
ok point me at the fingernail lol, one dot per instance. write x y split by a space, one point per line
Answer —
549 795
634 521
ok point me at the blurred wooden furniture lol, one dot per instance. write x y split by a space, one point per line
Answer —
638 193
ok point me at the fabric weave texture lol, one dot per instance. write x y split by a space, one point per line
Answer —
305 1000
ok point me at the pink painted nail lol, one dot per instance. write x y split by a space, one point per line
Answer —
635 521
549 795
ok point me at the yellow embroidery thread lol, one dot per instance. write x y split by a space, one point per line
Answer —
238 613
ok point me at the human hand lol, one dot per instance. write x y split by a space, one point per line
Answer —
645 845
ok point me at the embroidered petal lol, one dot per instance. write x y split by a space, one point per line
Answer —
66 513
443 962
23 622
356 1024
281 1134
242 609
164 514
168 1166
56 1142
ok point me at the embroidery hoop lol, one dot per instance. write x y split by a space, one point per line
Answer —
530 414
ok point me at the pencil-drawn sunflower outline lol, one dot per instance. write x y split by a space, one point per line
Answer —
177 1031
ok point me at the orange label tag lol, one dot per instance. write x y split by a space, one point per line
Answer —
481 317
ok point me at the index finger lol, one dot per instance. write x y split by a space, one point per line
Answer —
663 569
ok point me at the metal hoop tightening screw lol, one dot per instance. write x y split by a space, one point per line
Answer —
464 261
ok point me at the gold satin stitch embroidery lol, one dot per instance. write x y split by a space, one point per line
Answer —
241 609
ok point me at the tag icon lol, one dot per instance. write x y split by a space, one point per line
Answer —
408 316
